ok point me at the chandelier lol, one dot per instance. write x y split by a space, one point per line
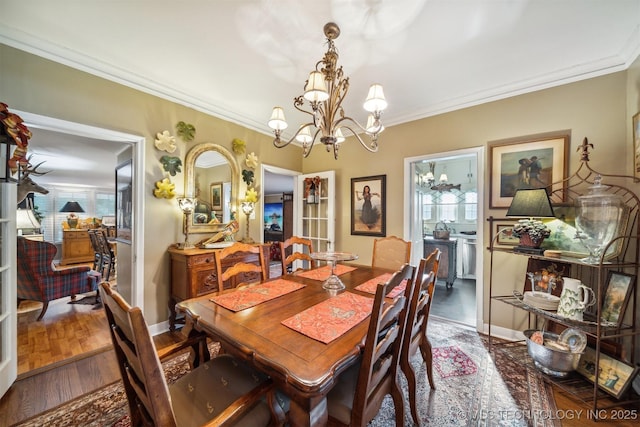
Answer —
325 90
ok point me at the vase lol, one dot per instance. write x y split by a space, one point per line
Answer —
72 222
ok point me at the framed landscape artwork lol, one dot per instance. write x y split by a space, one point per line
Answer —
216 196
368 206
616 296
526 162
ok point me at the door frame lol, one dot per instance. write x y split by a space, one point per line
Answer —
138 143
409 192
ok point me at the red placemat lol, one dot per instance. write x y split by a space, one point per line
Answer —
323 273
254 295
331 318
370 285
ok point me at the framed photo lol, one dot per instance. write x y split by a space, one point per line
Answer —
613 375
216 196
504 233
124 201
616 296
368 206
527 162
636 145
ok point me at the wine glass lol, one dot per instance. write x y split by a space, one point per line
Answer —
597 220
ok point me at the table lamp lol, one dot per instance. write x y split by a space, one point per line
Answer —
187 204
26 220
530 204
247 208
72 208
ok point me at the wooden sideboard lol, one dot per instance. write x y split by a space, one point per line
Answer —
76 247
193 273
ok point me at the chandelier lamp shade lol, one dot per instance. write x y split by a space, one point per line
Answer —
325 90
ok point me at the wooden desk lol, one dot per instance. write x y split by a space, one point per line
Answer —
193 273
303 368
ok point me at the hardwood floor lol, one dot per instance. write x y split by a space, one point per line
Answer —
84 328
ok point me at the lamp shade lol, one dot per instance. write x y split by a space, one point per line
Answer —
375 99
72 207
26 219
277 120
531 203
316 88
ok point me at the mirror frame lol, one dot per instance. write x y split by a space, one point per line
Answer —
189 186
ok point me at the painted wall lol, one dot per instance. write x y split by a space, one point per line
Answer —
33 84
595 108
599 108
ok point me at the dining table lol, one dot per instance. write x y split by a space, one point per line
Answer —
264 334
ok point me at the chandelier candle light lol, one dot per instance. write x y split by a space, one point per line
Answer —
325 90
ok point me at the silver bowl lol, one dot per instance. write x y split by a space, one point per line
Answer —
551 361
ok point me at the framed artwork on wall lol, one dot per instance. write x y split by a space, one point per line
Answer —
526 162
368 206
504 234
636 145
216 196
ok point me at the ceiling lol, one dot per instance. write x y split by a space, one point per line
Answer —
238 59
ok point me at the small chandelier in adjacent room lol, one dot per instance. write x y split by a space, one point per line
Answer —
325 90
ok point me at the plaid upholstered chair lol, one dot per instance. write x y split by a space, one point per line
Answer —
38 281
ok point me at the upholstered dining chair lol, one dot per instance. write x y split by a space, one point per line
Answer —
219 392
390 252
415 336
356 398
241 271
289 256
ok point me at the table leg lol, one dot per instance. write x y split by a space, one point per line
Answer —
311 412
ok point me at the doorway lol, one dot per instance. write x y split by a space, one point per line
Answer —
114 143
445 192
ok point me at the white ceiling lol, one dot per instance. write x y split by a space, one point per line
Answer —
238 59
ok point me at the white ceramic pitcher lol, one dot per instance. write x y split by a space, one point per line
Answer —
575 297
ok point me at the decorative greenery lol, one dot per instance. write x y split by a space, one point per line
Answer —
186 131
533 227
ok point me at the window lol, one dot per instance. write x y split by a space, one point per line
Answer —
427 207
448 207
95 203
471 206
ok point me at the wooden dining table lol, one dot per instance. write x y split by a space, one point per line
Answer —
303 368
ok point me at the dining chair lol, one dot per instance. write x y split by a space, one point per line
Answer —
241 270
415 335
356 398
304 255
220 391
390 252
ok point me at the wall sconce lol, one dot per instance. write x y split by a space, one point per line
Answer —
187 204
247 208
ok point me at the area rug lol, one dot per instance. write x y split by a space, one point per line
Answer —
452 362
500 393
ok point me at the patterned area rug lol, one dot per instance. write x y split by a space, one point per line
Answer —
499 393
452 362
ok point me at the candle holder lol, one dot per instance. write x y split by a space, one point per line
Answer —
187 204
247 208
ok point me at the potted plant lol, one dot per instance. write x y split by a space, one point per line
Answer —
531 232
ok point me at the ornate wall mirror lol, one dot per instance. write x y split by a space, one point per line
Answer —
212 177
